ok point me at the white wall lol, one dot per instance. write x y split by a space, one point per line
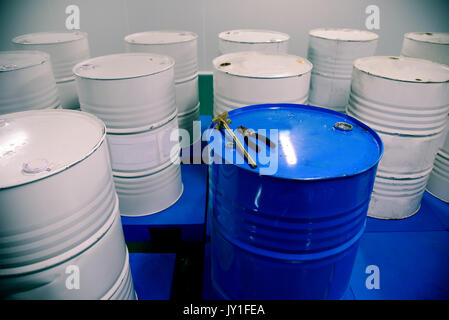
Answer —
108 21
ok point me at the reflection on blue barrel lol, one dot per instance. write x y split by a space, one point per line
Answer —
290 228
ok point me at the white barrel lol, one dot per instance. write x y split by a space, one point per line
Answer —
26 82
66 49
406 101
248 78
432 46
60 214
130 92
182 46
252 40
332 52
438 184
134 94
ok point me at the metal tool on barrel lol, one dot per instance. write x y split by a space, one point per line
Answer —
222 120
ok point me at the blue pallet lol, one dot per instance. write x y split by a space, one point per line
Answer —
187 214
152 274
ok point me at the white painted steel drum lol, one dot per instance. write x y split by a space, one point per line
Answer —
332 52
66 49
438 184
248 78
129 91
406 101
134 94
26 82
252 40
58 207
183 47
432 46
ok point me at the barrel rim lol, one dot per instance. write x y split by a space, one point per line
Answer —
309 64
45 58
373 34
17 38
128 37
286 35
96 78
409 34
401 80
373 133
69 165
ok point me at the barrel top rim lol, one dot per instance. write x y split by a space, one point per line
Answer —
224 36
21 148
113 66
31 53
343 34
294 66
307 157
80 35
131 38
399 69
441 38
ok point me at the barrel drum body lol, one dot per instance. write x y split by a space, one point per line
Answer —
66 49
256 80
438 183
134 94
332 52
407 105
27 82
275 237
182 46
433 46
252 40
60 214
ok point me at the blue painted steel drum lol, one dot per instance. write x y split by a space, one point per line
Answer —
294 233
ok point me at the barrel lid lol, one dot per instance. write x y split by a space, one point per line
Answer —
49 37
161 37
343 34
15 60
253 36
403 69
255 64
312 143
123 66
38 144
432 37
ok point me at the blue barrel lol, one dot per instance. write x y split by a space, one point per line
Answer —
293 232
